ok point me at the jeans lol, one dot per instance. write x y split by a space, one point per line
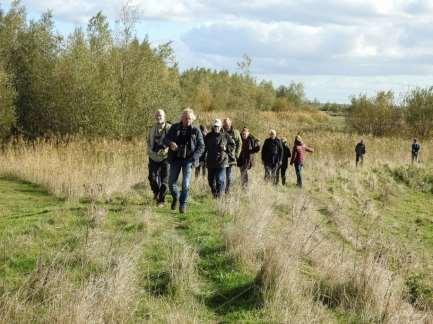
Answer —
229 178
175 168
298 171
217 181
271 174
158 179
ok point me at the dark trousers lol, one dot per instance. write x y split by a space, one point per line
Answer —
229 178
415 157
283 174
217 181
298 171
271 173
244 177
158 179
359 159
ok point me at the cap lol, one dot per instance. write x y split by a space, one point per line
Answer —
217 122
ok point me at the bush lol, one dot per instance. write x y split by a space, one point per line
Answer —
419 111
376 115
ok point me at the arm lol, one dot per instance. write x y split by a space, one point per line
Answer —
264 150
308 149
238 143
294 152
150 141
281 152
256 146
200 147
170 136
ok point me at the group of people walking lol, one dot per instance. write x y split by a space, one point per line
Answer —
178 148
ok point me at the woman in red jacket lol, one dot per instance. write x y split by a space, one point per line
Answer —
298 157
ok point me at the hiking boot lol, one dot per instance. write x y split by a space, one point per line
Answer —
182 209
174 204
160 204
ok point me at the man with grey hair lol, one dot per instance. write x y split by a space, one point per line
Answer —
218 143
272 156
158 153
234 151
186 146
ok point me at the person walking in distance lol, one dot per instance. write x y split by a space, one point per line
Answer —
285 162
250 146
202 161
272 156
158 153
298 158
360 152
218 143
186 146
233 153
416 147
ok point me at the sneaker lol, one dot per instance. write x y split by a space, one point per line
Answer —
160 204
182 209
174 204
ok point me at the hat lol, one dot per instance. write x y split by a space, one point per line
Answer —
217 123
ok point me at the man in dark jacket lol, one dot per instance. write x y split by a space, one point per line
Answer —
218 144
250 146
272 156
234 152
285 162
416 147
158 164
360 151
186 146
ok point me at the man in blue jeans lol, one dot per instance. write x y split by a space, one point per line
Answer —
186 146
218 143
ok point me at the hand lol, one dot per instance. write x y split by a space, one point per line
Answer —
163 151
173 146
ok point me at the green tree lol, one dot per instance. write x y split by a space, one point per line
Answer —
7 109
419 111
376 115
294 93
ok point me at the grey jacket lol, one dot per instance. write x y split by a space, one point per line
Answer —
155 142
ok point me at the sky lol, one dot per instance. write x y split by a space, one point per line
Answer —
335 48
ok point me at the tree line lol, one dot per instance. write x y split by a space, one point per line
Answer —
382 115
97 81
100 82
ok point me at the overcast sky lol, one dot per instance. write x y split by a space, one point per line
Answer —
336 48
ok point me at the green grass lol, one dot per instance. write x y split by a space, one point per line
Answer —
229 291
36 227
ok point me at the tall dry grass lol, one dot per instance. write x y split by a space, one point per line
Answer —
314 251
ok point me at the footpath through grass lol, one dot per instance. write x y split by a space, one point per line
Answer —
37 228
229 291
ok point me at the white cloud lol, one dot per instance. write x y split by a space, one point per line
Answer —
304 38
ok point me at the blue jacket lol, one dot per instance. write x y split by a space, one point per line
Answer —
194 146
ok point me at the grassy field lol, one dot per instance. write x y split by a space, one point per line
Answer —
81 240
